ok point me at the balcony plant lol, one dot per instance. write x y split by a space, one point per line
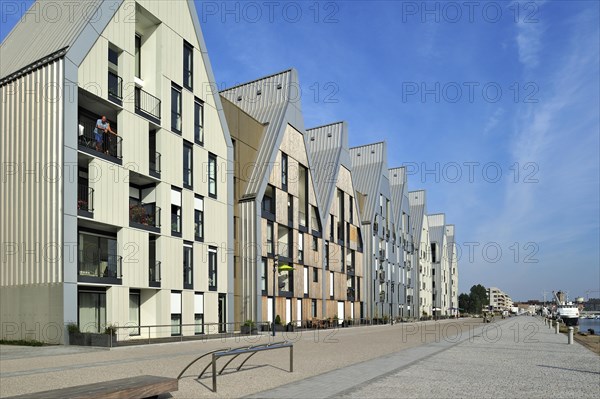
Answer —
81 204
138 214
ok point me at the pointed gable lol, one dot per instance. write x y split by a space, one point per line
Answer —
416 200
274 101
368 165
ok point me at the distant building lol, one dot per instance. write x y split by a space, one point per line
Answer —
498 299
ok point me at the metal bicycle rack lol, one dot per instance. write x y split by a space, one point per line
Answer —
235 352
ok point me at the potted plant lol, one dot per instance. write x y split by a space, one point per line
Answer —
278 324
386 319
76 337
249 327
335 321
289 326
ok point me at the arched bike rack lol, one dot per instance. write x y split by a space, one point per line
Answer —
236 352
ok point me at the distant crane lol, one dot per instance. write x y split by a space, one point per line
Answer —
588 293
544 294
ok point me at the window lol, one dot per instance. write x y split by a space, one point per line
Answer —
175 313
268 202
326 249
188 165
212 268
331 284
175 109
315 275
199 313
269 238
314 244
313 308
134 312
212 175
199 218
176 212
263 275
188 268
92 311
138 56
300 247
198 122
351 210
434 255
331 228
188 65
305 280
284 171
290 208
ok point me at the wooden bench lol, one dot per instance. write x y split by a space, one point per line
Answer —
144 386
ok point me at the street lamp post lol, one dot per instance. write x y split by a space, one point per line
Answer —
275 266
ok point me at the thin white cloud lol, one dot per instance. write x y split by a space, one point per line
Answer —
529 37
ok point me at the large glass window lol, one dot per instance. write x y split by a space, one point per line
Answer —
92 311
198 313
175 109
284 171
212 175
199 218
98 256
268 201
188 267
270 233
176 212
188 165
199 122
134 313
138 56
188 65
212 269
263 275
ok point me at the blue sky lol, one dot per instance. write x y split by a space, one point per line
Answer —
504 97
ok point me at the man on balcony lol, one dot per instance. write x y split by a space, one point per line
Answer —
102 127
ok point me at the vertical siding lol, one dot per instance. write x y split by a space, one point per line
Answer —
31 191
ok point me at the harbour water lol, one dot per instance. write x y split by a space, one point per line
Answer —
594 324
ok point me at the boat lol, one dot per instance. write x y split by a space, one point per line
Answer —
566 311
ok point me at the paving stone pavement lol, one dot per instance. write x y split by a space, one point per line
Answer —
517 357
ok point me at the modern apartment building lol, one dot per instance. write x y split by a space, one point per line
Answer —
371 180
125 226
422 252
277 215
499 300
407 273
452 256
343 280
440 264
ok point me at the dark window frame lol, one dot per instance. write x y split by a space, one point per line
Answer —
188 147
176 93
284 171
188 75
199 219
198 121
212 269
188 249
212 159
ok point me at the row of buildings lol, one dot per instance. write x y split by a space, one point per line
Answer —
182 215
499 300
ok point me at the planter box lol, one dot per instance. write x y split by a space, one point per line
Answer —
290 327
247 330
92 339
279 327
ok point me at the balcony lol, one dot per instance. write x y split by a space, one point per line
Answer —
147 105
382 255
154 274
154 165
97 268
85 201
145 216
115 88
104 145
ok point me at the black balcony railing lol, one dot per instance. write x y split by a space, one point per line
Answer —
115 86
93 264
85 198
154 272
145 214
154 166
103 142
147 103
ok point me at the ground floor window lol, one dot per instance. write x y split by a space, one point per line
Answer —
314 308
175 324
134 313
199 323
92 311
